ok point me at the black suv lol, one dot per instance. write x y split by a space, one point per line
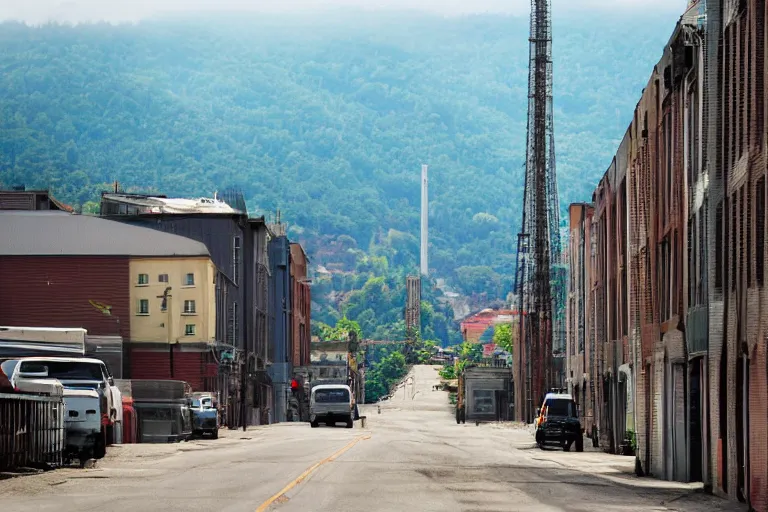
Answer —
558 423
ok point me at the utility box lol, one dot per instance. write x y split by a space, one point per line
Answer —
486 394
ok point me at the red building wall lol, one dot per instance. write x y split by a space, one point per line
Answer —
301 332
54 291
192 367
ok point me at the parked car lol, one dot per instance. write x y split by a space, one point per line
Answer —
331 403
81 373
558 423
205 416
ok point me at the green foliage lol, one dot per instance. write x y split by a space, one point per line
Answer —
448 372
470 352
374 296
502 336
382 377
328 121
344 329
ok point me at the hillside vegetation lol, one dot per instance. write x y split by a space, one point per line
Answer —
327 121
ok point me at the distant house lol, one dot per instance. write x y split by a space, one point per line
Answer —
474 327
64 270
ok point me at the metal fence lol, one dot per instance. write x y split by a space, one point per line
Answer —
31 430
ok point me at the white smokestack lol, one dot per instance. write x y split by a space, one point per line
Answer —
424 214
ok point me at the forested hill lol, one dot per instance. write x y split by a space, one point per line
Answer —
327 121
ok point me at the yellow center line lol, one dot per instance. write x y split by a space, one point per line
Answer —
296 481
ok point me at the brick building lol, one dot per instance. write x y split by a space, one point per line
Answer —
688 225
301 333
742 412
579 353
65 270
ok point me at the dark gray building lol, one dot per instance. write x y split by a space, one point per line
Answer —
226 231
258 326
281 370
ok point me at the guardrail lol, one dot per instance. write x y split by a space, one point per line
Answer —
31 431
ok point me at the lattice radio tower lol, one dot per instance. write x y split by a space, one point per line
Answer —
538 243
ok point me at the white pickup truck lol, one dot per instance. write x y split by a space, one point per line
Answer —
82 374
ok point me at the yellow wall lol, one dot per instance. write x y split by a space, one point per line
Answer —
170 325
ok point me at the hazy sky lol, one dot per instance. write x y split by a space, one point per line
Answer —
36 11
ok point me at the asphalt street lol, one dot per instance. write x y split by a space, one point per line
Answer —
410 457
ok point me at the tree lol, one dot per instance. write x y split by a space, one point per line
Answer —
502 336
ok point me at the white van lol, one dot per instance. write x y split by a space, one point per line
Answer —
331 403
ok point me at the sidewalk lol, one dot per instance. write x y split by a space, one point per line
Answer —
617 469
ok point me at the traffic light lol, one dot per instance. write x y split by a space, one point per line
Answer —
295 386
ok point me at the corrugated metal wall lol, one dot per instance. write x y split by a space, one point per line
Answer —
189 367
174 363
55 292
150 364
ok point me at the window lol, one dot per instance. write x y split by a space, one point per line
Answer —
702 251
189 280
67 369
143 279
189 307
759 73
143 307
162 278
235 325
560 407
693 135
332 396
747 252
189 330
483 402
760 231
691 262
734 240
236 260
719 246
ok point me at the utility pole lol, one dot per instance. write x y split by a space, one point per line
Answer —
538 243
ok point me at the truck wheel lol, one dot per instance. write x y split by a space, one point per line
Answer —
580 443
100 450
215 434
567 446
350 423
313 424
